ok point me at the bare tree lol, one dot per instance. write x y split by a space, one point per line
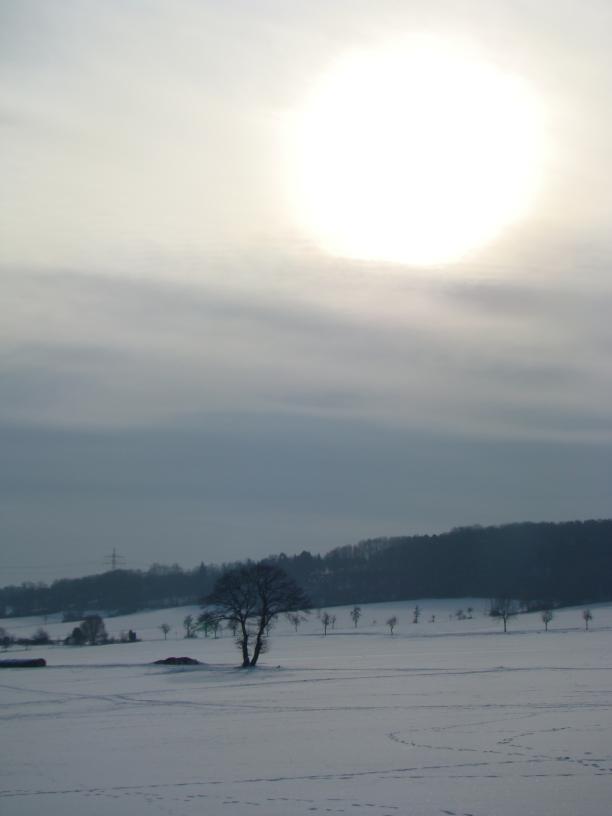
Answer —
209 622
587 617
76 637
325 621
93 630
251 597
416 614
503 608
356 614
190 626
165 627
547 616
41 637
392 623
295 619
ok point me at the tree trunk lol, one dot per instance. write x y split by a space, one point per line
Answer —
256 652
259 641
245 647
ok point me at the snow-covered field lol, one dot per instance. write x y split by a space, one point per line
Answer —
445 717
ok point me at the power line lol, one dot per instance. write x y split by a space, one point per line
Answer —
55 566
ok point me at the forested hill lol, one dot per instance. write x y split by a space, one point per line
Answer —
557 563
549 563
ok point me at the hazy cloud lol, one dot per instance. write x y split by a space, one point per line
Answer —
181 370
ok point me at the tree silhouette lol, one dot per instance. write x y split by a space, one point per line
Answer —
190 626
295 619
546 616
93 630
252 596
209 622
41 637
504 608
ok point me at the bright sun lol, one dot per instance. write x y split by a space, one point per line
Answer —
414 154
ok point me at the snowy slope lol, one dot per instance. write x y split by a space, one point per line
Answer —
445 717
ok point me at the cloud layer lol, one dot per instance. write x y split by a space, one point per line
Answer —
183 374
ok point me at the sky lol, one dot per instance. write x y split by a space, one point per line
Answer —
207 354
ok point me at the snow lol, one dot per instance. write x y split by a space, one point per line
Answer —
450 717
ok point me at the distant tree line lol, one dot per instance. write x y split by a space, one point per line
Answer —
119 591
39 638
542 565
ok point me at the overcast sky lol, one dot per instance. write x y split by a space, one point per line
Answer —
186 374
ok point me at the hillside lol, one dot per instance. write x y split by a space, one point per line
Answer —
538 563
449 716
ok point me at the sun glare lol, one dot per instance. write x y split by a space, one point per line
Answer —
414 154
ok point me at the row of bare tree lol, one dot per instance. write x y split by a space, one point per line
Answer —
506 608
